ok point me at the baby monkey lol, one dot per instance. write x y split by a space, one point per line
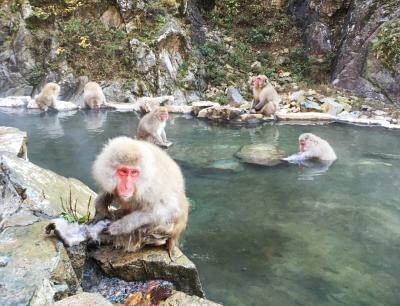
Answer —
152 127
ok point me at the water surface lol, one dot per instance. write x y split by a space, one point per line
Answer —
262 236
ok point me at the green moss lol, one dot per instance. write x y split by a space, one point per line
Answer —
386 46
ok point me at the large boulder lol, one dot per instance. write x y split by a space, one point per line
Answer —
150 263
260 154
84 299
220 113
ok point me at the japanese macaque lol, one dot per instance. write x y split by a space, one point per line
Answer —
48 96
93 95
265 98
147 188
152 127
312 147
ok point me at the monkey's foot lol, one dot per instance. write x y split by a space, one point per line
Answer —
174 254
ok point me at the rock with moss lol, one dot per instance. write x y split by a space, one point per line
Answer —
150 263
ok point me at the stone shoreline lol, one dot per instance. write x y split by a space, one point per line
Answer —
216 112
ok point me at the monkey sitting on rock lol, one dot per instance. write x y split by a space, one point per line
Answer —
151 127
147 189
265 98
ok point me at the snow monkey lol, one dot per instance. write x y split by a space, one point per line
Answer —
93 95
148 190
313 147
151 127
48 96
265 98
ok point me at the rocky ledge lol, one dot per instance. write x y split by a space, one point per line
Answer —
36 269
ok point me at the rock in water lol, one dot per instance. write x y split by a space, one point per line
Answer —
260 154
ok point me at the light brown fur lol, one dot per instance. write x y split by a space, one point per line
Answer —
158 211
152 129
265 98
316 147
48 96
93 95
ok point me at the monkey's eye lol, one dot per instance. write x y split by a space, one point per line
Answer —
135 173
122 172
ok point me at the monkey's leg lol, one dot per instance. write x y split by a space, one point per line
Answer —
172 250
103 200
259 105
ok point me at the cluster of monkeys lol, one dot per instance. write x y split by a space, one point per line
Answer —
142 190
93 96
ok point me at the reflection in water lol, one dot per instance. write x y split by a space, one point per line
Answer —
95 119
50 124
311 169
262 236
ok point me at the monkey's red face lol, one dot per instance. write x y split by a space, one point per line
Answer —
302 144
259 82
127 176
163 116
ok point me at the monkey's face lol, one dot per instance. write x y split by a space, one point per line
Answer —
260 81
307 142
163 116
127 176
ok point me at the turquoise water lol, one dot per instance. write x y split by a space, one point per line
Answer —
263 236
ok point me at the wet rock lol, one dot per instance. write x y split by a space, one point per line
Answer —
332 108
84 298
251 117
15 101
198 106
180 298
150 263
310 116
220 113
41 189
58 105
260 154
38 270
124 107
179 109
310 106
146 104
234 97
13 141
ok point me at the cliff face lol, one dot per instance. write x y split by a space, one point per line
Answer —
363 36
187 48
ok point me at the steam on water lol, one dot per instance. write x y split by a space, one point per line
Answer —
263 236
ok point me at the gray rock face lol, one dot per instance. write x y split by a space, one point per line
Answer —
234 97
318 38
365 20
150 263
13 141
115 92
260 154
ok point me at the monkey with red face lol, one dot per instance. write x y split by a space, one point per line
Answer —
151 127
265 98
147 188
312 147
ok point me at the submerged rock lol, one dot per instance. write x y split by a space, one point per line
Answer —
84 298
260 154
150 263
14 141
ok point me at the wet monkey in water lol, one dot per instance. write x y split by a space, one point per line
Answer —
148 189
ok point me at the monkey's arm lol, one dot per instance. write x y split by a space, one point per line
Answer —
258 106
136 220
103 200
